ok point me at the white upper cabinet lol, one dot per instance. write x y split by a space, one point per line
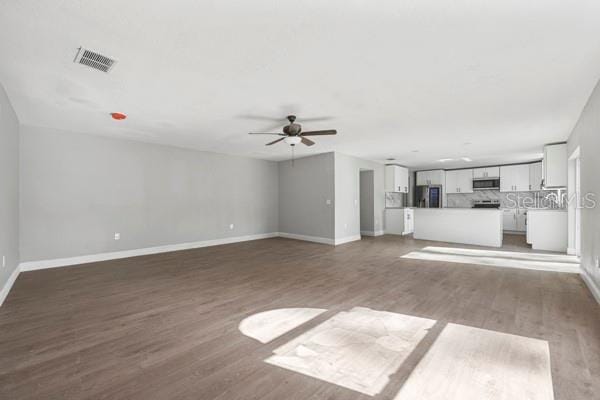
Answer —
459 181
535 176
514 178
487 172
423 178
435 177
555 165
452 182
396 179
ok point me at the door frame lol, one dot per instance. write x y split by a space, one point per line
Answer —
574 202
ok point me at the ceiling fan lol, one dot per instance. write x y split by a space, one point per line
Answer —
293 134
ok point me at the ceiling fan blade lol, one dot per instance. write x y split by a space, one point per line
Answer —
319 133
274 141
265 133
307 142
314 119
262 118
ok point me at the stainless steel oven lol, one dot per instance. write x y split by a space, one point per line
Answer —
486 184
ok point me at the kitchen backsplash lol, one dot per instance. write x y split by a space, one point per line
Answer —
539 199
394 200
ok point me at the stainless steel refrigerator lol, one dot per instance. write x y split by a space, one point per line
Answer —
429 196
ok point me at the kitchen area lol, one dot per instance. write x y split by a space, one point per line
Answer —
478 206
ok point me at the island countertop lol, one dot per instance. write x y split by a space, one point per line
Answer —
474 226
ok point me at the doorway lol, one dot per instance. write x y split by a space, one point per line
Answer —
367 203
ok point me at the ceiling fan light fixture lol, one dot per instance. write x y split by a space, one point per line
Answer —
293 140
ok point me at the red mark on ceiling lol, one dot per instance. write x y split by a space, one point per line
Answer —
118 116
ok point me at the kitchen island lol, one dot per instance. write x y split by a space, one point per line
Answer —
474 226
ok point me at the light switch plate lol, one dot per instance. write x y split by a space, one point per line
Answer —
117 236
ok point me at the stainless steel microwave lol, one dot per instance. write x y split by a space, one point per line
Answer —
486 184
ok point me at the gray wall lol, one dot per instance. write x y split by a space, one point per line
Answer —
304 189
347 183
9 189
78 190
367 194
586 134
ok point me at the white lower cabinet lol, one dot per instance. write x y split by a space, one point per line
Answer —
409 221
509 219
514 219
521 220
547 229
399 221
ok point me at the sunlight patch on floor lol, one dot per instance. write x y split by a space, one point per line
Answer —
467 363
509 259
269 325
357 350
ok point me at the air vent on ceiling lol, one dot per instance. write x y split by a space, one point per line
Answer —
94 60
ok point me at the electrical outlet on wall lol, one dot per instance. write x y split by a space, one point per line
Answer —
3 261
231 226
328 202
117 236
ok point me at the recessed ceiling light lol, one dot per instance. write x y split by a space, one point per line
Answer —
466 159
445 159
415 151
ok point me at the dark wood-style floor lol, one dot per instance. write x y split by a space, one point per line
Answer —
166 326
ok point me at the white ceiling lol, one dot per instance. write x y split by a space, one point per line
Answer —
397 76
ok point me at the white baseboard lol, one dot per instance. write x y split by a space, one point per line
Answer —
91 258
591 285
8 285
514 232
371 233
64 262
347 239
316 239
